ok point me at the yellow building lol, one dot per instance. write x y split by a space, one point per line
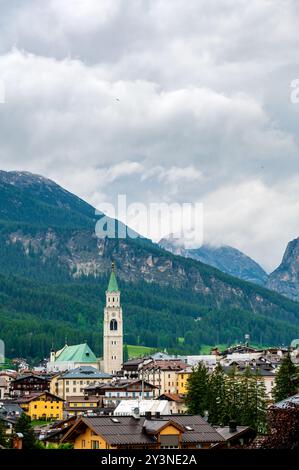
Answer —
149 432
43 405
182 380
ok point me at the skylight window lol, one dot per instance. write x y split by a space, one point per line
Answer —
115 420
189 428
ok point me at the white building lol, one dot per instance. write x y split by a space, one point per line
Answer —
128 407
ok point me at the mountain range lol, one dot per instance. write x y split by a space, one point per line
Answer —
54 271
225 258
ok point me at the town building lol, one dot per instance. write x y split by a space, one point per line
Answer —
29 383
9 414
7 376
75 381
122 389
163 374
236 436
182 379
176 402
144 432
142 407
43 405
76 406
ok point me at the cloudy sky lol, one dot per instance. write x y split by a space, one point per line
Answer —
164 101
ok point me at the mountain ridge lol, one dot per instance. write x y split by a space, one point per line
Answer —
163 294
225 258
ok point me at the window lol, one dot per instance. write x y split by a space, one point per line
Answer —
95 445
113 325
83 444
169 442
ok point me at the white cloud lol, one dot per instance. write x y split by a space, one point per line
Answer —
169 101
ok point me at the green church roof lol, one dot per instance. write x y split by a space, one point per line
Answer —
77 353
112 286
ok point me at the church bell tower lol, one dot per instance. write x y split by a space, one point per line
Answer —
113 328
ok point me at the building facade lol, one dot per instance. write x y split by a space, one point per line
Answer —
74 382
148 432
42 406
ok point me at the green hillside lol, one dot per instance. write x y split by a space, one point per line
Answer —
47 236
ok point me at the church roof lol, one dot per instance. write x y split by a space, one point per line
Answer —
112 286
77 353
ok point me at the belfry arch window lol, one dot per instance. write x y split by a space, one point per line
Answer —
113 325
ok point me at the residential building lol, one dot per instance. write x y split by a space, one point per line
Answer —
236 436
176 402
43 405
9 413
29 383
163 374
75 381
182 379
148 432
142 407
7 376
76 406
122 389
2 387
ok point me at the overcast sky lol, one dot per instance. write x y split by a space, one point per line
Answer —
161 100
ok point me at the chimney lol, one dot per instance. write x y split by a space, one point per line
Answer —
158 414
148 415
232 426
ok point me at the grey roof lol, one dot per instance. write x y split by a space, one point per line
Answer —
125 430
227 435
86 372
10 408
293 400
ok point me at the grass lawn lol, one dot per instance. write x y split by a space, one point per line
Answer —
206 348
138 351
40 422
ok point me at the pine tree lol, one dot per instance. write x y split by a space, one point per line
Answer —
216 396
286 381
126 353
262 404
23 426
233 397
2 434
253 401
197 391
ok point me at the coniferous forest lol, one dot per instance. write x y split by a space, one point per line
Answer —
42 302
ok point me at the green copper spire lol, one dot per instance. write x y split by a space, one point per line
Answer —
112 286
